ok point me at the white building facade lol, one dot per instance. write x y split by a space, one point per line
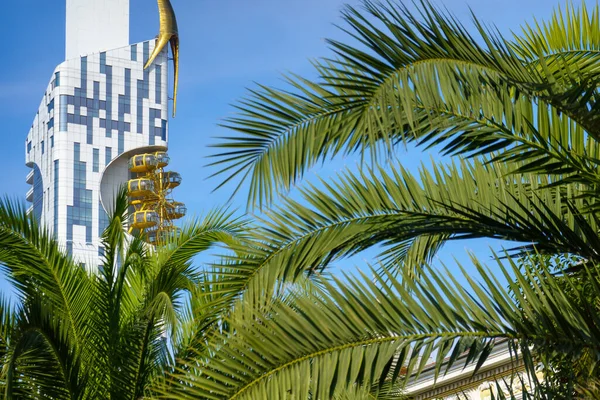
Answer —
94 26
99 108
500 372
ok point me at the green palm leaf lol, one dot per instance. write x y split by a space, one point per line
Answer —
410 218
386 329
418 78
35 264
102 335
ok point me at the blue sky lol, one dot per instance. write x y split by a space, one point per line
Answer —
226 45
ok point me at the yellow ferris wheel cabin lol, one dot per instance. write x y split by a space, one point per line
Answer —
150 195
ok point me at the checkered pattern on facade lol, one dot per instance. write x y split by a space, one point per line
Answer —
91 102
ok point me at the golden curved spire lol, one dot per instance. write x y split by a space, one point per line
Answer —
168 34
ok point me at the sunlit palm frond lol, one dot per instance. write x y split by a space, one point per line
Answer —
425 78
218 228
36 265
386 329
386 391
169 281
410 218
568 36
42 358
354 107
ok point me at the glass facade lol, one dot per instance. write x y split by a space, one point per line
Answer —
80 213
107 155
96 160
38 193
134 52
56 191
100 102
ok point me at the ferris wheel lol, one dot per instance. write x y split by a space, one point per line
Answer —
150 192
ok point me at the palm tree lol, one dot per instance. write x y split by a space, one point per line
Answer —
109 334
364 339
267 322
520 116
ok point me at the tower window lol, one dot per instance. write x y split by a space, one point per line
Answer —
96 161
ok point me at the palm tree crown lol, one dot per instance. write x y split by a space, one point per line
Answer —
102 335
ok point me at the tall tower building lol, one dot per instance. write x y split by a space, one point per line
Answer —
100 108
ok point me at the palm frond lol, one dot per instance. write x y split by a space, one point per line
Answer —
9 319
166 279
386 329
35 264
283 133
424 78
386 391
41 357
218 228
410 217
567 33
